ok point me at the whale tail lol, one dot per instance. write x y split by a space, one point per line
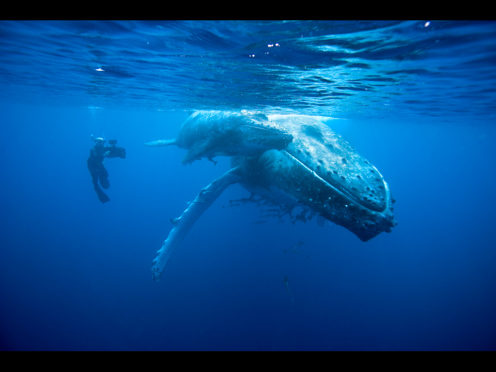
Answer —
161 142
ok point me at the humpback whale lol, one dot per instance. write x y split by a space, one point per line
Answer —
223 133
291 161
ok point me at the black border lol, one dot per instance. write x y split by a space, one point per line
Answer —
248 9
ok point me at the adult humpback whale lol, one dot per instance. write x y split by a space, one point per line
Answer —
291 161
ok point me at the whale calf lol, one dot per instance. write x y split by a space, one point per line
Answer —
225 133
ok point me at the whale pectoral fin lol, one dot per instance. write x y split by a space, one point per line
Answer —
161 142
189 216
198 151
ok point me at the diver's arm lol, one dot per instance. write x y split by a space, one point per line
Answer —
115 152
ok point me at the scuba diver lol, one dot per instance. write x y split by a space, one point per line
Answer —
95 164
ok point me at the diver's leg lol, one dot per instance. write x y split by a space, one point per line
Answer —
94 178
103 177
101 195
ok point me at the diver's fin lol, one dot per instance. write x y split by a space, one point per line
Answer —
189 216
101 195
161 142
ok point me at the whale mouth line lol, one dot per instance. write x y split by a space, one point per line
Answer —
341 191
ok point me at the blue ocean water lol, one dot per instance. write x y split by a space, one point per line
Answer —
417 98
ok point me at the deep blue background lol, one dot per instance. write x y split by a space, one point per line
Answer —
415 97
75 274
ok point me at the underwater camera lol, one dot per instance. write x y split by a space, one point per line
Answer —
120 152
117 151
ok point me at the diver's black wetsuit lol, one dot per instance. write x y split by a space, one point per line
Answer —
98 172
